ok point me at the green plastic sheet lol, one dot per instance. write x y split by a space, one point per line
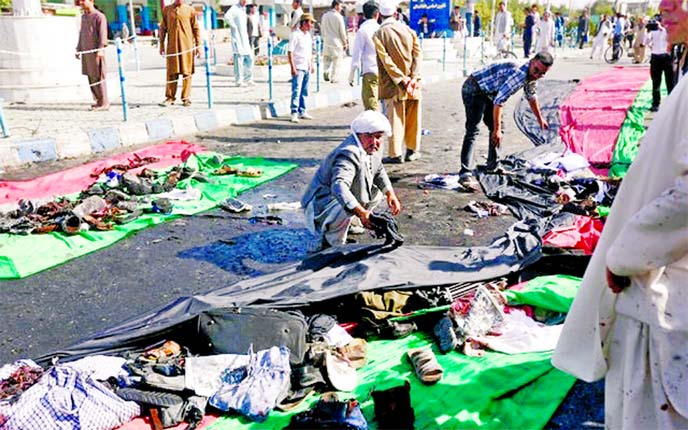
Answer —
554 293
632 130
496 391
22 256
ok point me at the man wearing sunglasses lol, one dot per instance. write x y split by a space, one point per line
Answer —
350 182
484 93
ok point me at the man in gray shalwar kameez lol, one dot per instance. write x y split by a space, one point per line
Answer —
350 182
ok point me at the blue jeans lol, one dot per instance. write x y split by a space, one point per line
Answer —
469 24
243 68
299 91
478 108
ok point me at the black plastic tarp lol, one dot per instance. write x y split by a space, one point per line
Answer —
330 274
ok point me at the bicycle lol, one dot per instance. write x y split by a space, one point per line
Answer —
614 52
490 53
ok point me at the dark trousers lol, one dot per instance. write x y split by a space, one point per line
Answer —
478 108
255 42
527 42
660 64
616 43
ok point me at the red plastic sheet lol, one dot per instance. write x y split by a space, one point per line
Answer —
79 178
593 113
583 234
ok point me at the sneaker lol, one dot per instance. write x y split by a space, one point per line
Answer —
393 160
166 103
235 206
444 332
240 84
250 84
294 118
412 155
356 227
326 76
186 103
305 115
654 108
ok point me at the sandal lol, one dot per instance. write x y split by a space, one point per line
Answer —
225 170
425 364
250 173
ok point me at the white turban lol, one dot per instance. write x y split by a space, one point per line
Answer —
371 121
388 7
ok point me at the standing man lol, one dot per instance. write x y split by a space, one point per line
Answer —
528 32
180 28
236 19
503 24
545 33
296 13
583 28
350 183
470 10
255 28
640 41
559 29
301 62
618 35
93 35
600 41
660 62
364 57
628 322
425 27
484 93
335 41
455 21
398 60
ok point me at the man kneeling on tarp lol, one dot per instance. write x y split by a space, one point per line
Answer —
350 182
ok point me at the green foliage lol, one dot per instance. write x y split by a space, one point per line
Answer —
5 4
602 7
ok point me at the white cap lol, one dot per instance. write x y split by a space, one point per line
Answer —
388 7
371 121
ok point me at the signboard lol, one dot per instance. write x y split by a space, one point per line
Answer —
438 14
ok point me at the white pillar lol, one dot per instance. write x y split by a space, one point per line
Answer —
26 8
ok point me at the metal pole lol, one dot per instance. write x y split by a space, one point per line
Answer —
444 51
482 46
465 52
3 125
270 67
317 64
120 69
214 45
206 52
421 40
133 35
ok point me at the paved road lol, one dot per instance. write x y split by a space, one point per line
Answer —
197 254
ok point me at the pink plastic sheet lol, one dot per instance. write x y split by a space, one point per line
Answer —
593 113
79 178
583 234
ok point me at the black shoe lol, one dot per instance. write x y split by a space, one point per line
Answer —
393 160
412 155
654 108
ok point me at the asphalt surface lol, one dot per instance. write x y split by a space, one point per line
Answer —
197 254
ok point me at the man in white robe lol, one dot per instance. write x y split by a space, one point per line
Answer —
237 20
545 33
629 322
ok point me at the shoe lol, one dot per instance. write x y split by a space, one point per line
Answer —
412 155
186 103
100 108
240 84
356 227
326 76
393 160
235 206
305 115
250 84
294 118
444 332
166 103
467 181
654 108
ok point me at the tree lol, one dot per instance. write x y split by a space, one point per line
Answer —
5 4
600 7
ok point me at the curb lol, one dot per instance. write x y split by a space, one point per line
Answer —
96 140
